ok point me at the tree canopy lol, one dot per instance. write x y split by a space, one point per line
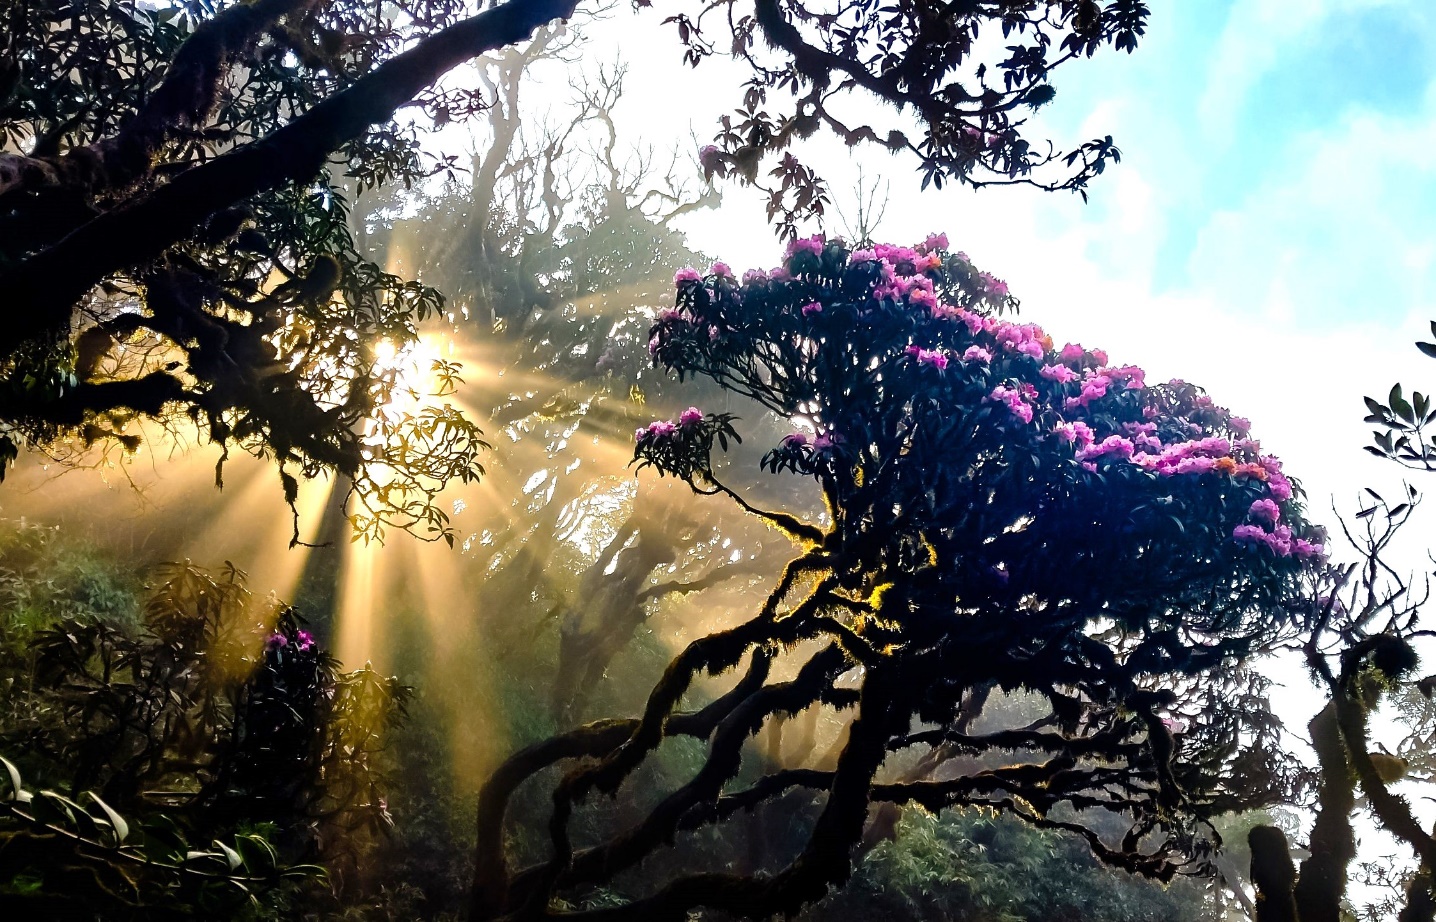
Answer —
1002 514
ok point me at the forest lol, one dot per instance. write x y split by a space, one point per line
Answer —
416 503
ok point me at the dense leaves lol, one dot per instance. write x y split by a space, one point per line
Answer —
218 716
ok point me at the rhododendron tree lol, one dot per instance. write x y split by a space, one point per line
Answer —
1004 514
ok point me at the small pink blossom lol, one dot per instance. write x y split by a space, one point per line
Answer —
812 307
1071 353
687 274
276 641
690 417
977 354
935 242
753 276
720 269
305 641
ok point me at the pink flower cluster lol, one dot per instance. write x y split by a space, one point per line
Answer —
933 242
934 357
1025 338
1117 445
1280 541
1077 433
663 428
996 288
303 641
1015 399
1078 390
812 245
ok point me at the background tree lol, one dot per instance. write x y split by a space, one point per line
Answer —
196 715
999 513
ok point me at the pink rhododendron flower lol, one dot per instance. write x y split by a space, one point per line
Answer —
1240 425
1012 399
1253 534
995 287
720 269
1100 356
1077 433
305 641
1195 466
691 417
1131 376
935 242
1307 550
977 354
1071 354
934 357
921 298
812 245
1059 373
687 274
1264 510
276 641
812 308
862 256
1116 445
795 440
754 275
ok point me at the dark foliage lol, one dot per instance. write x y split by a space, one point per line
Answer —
216 717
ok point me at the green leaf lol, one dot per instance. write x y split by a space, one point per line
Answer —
1400 407
1427 348
117 822
230 855
16 788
